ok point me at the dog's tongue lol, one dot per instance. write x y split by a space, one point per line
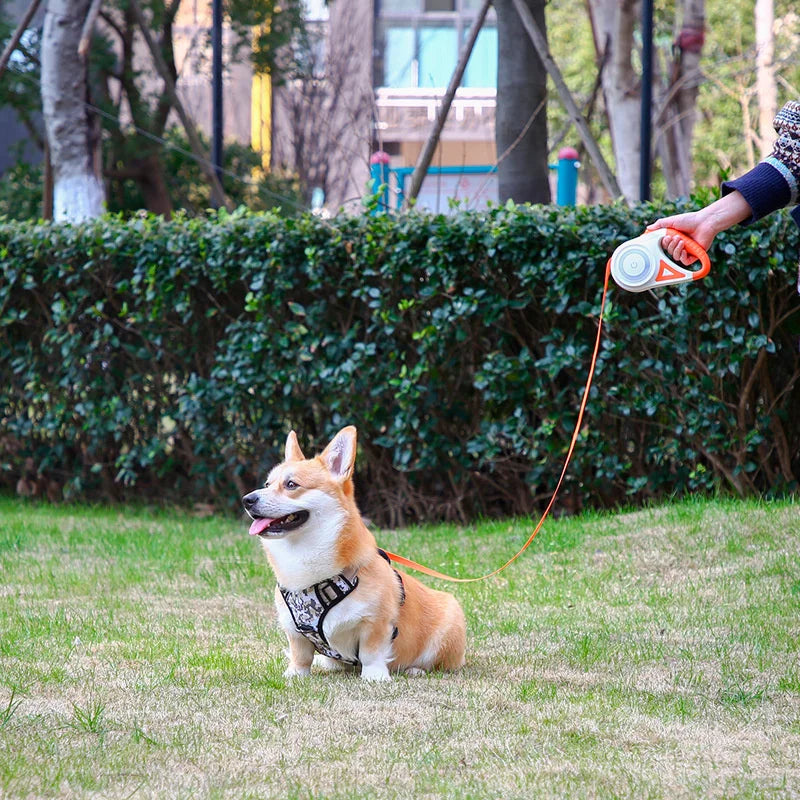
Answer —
259 525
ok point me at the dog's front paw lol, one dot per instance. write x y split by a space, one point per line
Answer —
293 671
375 672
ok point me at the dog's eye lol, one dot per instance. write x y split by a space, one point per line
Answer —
291 485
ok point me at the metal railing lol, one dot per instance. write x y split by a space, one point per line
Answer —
473 185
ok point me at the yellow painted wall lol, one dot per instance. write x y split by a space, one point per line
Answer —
261 117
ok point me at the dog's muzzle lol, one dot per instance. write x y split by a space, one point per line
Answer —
269 526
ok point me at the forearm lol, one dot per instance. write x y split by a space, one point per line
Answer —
726 212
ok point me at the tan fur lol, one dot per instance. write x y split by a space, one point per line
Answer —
430 623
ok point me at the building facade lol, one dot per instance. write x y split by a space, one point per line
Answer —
380 70
387 64
417 47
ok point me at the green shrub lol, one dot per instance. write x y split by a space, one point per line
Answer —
154 359
21 191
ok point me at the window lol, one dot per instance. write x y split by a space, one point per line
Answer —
437 55
481 71
421 51
391 7
440 5
399 58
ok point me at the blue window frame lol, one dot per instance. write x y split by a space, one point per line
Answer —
425 56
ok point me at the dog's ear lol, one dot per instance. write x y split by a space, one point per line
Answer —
340 455
293 451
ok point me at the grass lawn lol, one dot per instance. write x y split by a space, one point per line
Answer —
653 654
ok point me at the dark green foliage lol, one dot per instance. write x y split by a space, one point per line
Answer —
155 359
244 180
21 190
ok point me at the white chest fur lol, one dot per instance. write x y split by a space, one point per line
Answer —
307 556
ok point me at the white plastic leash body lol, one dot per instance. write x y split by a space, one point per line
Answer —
640 264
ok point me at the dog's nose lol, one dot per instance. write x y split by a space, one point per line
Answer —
250 500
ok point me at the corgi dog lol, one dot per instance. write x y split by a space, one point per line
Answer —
337 595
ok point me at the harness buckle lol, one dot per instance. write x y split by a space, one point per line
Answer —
329 592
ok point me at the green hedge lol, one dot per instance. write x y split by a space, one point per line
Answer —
150 359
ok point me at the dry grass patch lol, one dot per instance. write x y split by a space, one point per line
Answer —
648 654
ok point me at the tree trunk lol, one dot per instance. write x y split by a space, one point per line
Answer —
153 186
163 68
73 132
766 88
521 116
613 23
676 120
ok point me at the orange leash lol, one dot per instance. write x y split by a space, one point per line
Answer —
407 562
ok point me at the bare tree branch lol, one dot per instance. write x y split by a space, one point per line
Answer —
186 120
88 27
426 154
17 35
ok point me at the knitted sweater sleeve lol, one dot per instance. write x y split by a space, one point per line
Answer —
775 182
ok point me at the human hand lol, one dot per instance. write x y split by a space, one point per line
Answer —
702 225
695 224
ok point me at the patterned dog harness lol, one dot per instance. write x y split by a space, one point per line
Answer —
310 606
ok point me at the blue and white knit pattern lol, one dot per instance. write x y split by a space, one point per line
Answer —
785 156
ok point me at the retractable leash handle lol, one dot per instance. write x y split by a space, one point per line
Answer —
641 263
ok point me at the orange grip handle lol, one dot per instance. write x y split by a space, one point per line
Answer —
698 251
